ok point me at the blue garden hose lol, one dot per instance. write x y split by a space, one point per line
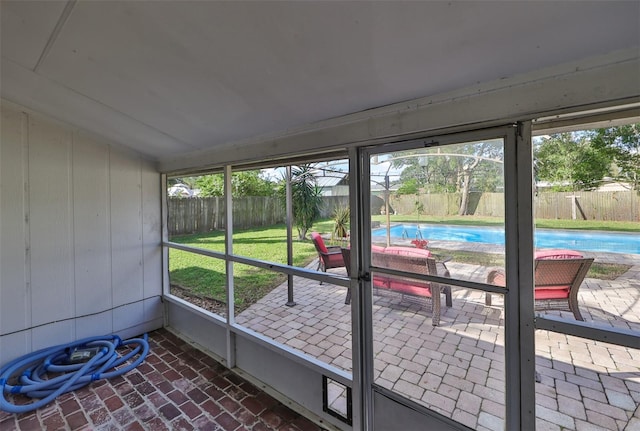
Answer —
30 369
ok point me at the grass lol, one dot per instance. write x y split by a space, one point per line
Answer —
471 257
607 271
205 276
598 270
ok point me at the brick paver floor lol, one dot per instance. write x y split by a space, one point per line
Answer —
457 368
176 388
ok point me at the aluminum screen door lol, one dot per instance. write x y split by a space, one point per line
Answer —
436 214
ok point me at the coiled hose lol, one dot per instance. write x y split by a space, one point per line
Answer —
30 369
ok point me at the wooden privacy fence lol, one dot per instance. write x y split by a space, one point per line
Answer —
197 215
447 204
612 206
440 204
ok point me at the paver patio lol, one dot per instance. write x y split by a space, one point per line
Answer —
457 368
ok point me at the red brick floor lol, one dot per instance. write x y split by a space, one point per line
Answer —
177 387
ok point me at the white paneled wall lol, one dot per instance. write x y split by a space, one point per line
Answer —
80 231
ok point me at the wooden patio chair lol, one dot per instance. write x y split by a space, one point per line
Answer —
328 257
556 283
346 256
406 285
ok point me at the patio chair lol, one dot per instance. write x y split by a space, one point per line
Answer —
328 257
406 285
346 256
556 283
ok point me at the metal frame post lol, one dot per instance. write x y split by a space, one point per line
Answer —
519 304
228 252
289 204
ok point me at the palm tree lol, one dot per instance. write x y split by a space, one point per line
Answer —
306 199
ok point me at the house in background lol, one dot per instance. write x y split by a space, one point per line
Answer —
102 101
333 184
182 191
614 186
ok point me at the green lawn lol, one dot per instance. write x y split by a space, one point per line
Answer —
205 276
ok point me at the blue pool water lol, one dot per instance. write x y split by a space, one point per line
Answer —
544 238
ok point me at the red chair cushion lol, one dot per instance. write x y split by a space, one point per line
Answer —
315 236
410 287
334 259
552 292
407 251
377 249
557 254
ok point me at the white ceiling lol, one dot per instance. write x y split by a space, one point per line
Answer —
169 78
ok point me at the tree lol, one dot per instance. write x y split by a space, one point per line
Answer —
306 198
251 183
211 185
570 163
408 187
243 183
622 145
457 168
426 170
341 219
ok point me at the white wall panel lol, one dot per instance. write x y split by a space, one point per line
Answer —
151 232
92 236
391 415
139 329
127 316
126 232
80 222
295 380
14 345
15 309
196 327
153 308
50 222
94 325
52 334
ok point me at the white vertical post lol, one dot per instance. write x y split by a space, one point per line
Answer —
164 214
574 206
231 340
361 303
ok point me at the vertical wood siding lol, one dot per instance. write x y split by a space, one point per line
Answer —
50 222
15 309
80 222
92 235
126 233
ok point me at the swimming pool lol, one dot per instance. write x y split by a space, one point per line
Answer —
544 238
